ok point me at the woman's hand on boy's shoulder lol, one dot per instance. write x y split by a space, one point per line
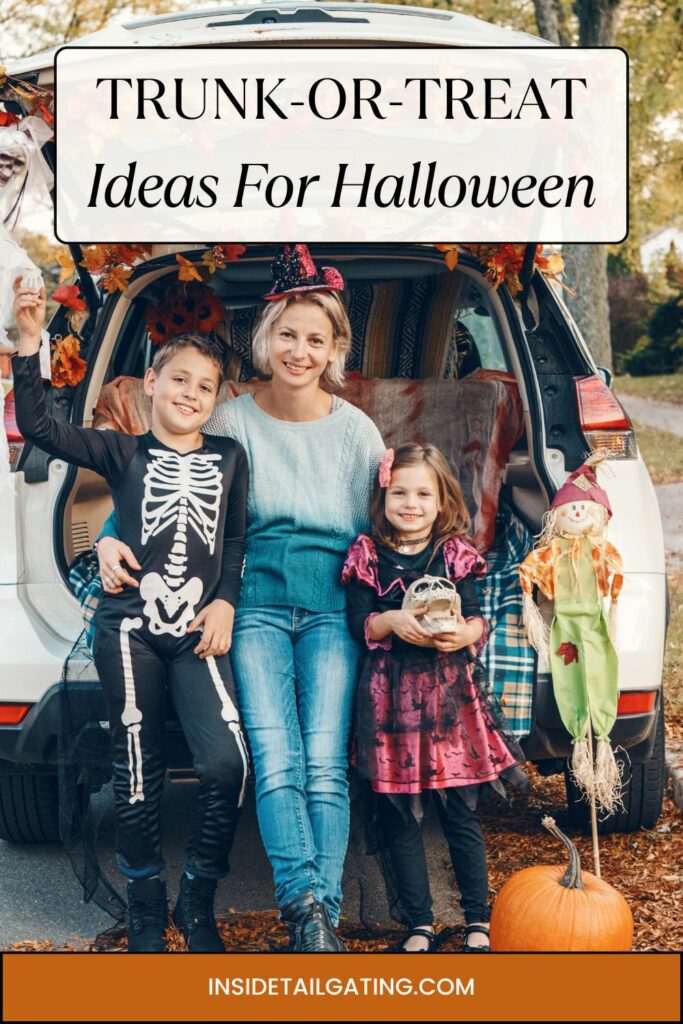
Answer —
215 622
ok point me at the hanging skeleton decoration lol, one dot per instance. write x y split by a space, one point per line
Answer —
23 171
23 168
12 161
183 491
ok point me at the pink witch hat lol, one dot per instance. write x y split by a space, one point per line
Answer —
582 485
293 271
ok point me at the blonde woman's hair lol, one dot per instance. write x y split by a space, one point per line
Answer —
330 303
453 519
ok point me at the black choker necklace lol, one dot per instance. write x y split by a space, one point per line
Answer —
404 546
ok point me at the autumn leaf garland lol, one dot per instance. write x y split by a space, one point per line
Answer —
194 308
503 261
36 99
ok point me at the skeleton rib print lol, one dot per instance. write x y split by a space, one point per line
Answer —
180 491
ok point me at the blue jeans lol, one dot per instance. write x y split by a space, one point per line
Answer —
295 673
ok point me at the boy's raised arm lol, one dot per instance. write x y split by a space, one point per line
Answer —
105 451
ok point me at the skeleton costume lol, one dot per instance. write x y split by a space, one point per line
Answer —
184 516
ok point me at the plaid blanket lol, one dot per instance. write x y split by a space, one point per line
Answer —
87 587
508 656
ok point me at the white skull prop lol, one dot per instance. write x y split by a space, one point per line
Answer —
441 599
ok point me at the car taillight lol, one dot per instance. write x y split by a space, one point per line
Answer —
606 426
13 714
637 703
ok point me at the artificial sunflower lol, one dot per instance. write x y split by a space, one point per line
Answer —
196 308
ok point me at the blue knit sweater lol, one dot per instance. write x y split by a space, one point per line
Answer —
309 497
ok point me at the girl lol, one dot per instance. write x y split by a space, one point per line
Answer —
424 720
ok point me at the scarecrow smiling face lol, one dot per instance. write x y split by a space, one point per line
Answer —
580 519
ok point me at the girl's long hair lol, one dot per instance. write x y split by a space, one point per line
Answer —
453 519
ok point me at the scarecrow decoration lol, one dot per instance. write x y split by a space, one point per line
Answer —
576 566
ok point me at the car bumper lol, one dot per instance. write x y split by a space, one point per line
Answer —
34 743
549 739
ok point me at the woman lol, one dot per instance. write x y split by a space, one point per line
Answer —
312 458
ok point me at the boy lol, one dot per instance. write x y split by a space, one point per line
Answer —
180 497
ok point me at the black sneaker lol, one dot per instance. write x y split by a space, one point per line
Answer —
147 915
310 928
193 915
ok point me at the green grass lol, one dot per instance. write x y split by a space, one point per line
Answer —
662 452
665 388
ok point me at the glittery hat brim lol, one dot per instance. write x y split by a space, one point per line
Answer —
273 295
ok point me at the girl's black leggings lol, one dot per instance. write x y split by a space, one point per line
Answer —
462 829
135 669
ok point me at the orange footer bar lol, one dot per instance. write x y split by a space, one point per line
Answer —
363 986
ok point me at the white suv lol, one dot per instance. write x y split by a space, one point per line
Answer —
565 408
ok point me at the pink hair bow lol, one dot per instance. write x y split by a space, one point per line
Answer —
385 467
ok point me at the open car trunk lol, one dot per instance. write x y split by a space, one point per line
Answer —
413 321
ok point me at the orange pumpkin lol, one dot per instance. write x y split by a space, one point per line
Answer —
550 909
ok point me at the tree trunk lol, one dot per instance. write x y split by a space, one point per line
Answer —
596 21
548 20
586 263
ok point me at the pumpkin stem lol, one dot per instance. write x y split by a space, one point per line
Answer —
572 876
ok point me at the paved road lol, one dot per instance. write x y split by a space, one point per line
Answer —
669 417
40 897
662 415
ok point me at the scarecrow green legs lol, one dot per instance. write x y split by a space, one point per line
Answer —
584 668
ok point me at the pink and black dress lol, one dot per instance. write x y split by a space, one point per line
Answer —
425 719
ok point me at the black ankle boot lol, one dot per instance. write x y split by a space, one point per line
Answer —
310 928
147 915
193 914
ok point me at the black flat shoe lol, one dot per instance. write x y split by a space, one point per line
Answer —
483 929
423 933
